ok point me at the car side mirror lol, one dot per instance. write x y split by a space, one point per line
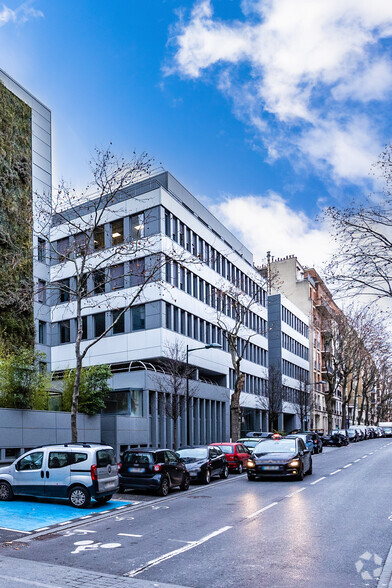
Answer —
181 459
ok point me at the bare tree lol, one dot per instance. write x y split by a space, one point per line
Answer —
363 233
273 400
109 272
174 385
304 401
233 308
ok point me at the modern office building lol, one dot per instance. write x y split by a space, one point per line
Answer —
201 264
288 343
25 144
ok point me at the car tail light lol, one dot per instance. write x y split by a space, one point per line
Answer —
94 473
119 466
157 468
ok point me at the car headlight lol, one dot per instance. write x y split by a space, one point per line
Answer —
294 463
250 463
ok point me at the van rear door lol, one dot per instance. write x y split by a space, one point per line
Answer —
107 470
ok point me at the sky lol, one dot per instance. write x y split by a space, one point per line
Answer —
268 111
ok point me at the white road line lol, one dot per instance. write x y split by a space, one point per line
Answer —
64 523
364 456
294 493
254 514
335 472
128 535
357 460
16 530
171 554
86 517
347 466
317 481
29 582
41 529
371 453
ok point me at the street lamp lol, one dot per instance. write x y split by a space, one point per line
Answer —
188 351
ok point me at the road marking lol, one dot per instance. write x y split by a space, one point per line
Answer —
171 554
371 453
128 535
356 460
347 466
254 514
317 481
86 517
364 456
335 472
29 582
294 493
41 529
16 530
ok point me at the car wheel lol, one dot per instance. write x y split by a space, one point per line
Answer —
301 474
104 499
6 492
164 487
79 497
310 470
207 476
225 473
240 468
186 483
251 477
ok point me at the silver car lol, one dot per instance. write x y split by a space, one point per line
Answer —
76 471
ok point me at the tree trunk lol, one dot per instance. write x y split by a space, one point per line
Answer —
75 400
175 434
344 413
328 405
235 408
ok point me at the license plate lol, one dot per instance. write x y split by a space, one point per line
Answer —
110 484
193 474
270 468
136 470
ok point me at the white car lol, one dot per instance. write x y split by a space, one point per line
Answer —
76 471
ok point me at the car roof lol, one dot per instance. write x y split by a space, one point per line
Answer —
75 446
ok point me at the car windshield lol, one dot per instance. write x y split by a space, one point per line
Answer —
276 446
226 448
250 443
193 453
138 458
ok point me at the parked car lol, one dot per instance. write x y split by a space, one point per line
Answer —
280 456
76 471
353 434
306 438
260 434
345 436
204 462
153 469
249 442
236 455
366 433
317 441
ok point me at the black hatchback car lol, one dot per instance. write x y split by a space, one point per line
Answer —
204 462
280 457
153 469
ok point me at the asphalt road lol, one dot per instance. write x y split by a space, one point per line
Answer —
273 534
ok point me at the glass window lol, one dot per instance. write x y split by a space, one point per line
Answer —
41 291
80 244
136 398
170 457
99 324
181 234
174 228
99 278
116 402
137 272
99 238
167 223
138 458
59 459
64 290
119 326
137 226
105 457
78 457
32 461
188 239
65 331
168 316
41 332
84 327
63 249
41 250
138 318
117 228
117 276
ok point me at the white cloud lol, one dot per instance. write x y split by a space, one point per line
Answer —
308 59
22 14
267 223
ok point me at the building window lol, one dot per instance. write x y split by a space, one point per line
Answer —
99 324
41 291
64 290
63 249
41 250
138 318
84 327
137 272
99 277
119 326
117 232
41 332
168 316
80 244
136 403
99 238
167 224
175 228
137 226
117 276
65 331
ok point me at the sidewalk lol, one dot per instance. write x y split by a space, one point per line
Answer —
16 573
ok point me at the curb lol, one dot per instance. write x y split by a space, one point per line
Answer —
385 580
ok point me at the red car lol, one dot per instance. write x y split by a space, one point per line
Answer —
236 455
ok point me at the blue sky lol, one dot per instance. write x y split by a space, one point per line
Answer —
267 110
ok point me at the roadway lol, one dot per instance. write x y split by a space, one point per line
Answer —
332 529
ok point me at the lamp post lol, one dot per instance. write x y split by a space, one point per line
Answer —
188 351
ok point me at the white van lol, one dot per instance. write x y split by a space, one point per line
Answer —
76 471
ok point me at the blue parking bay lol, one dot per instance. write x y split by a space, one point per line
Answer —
23 515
